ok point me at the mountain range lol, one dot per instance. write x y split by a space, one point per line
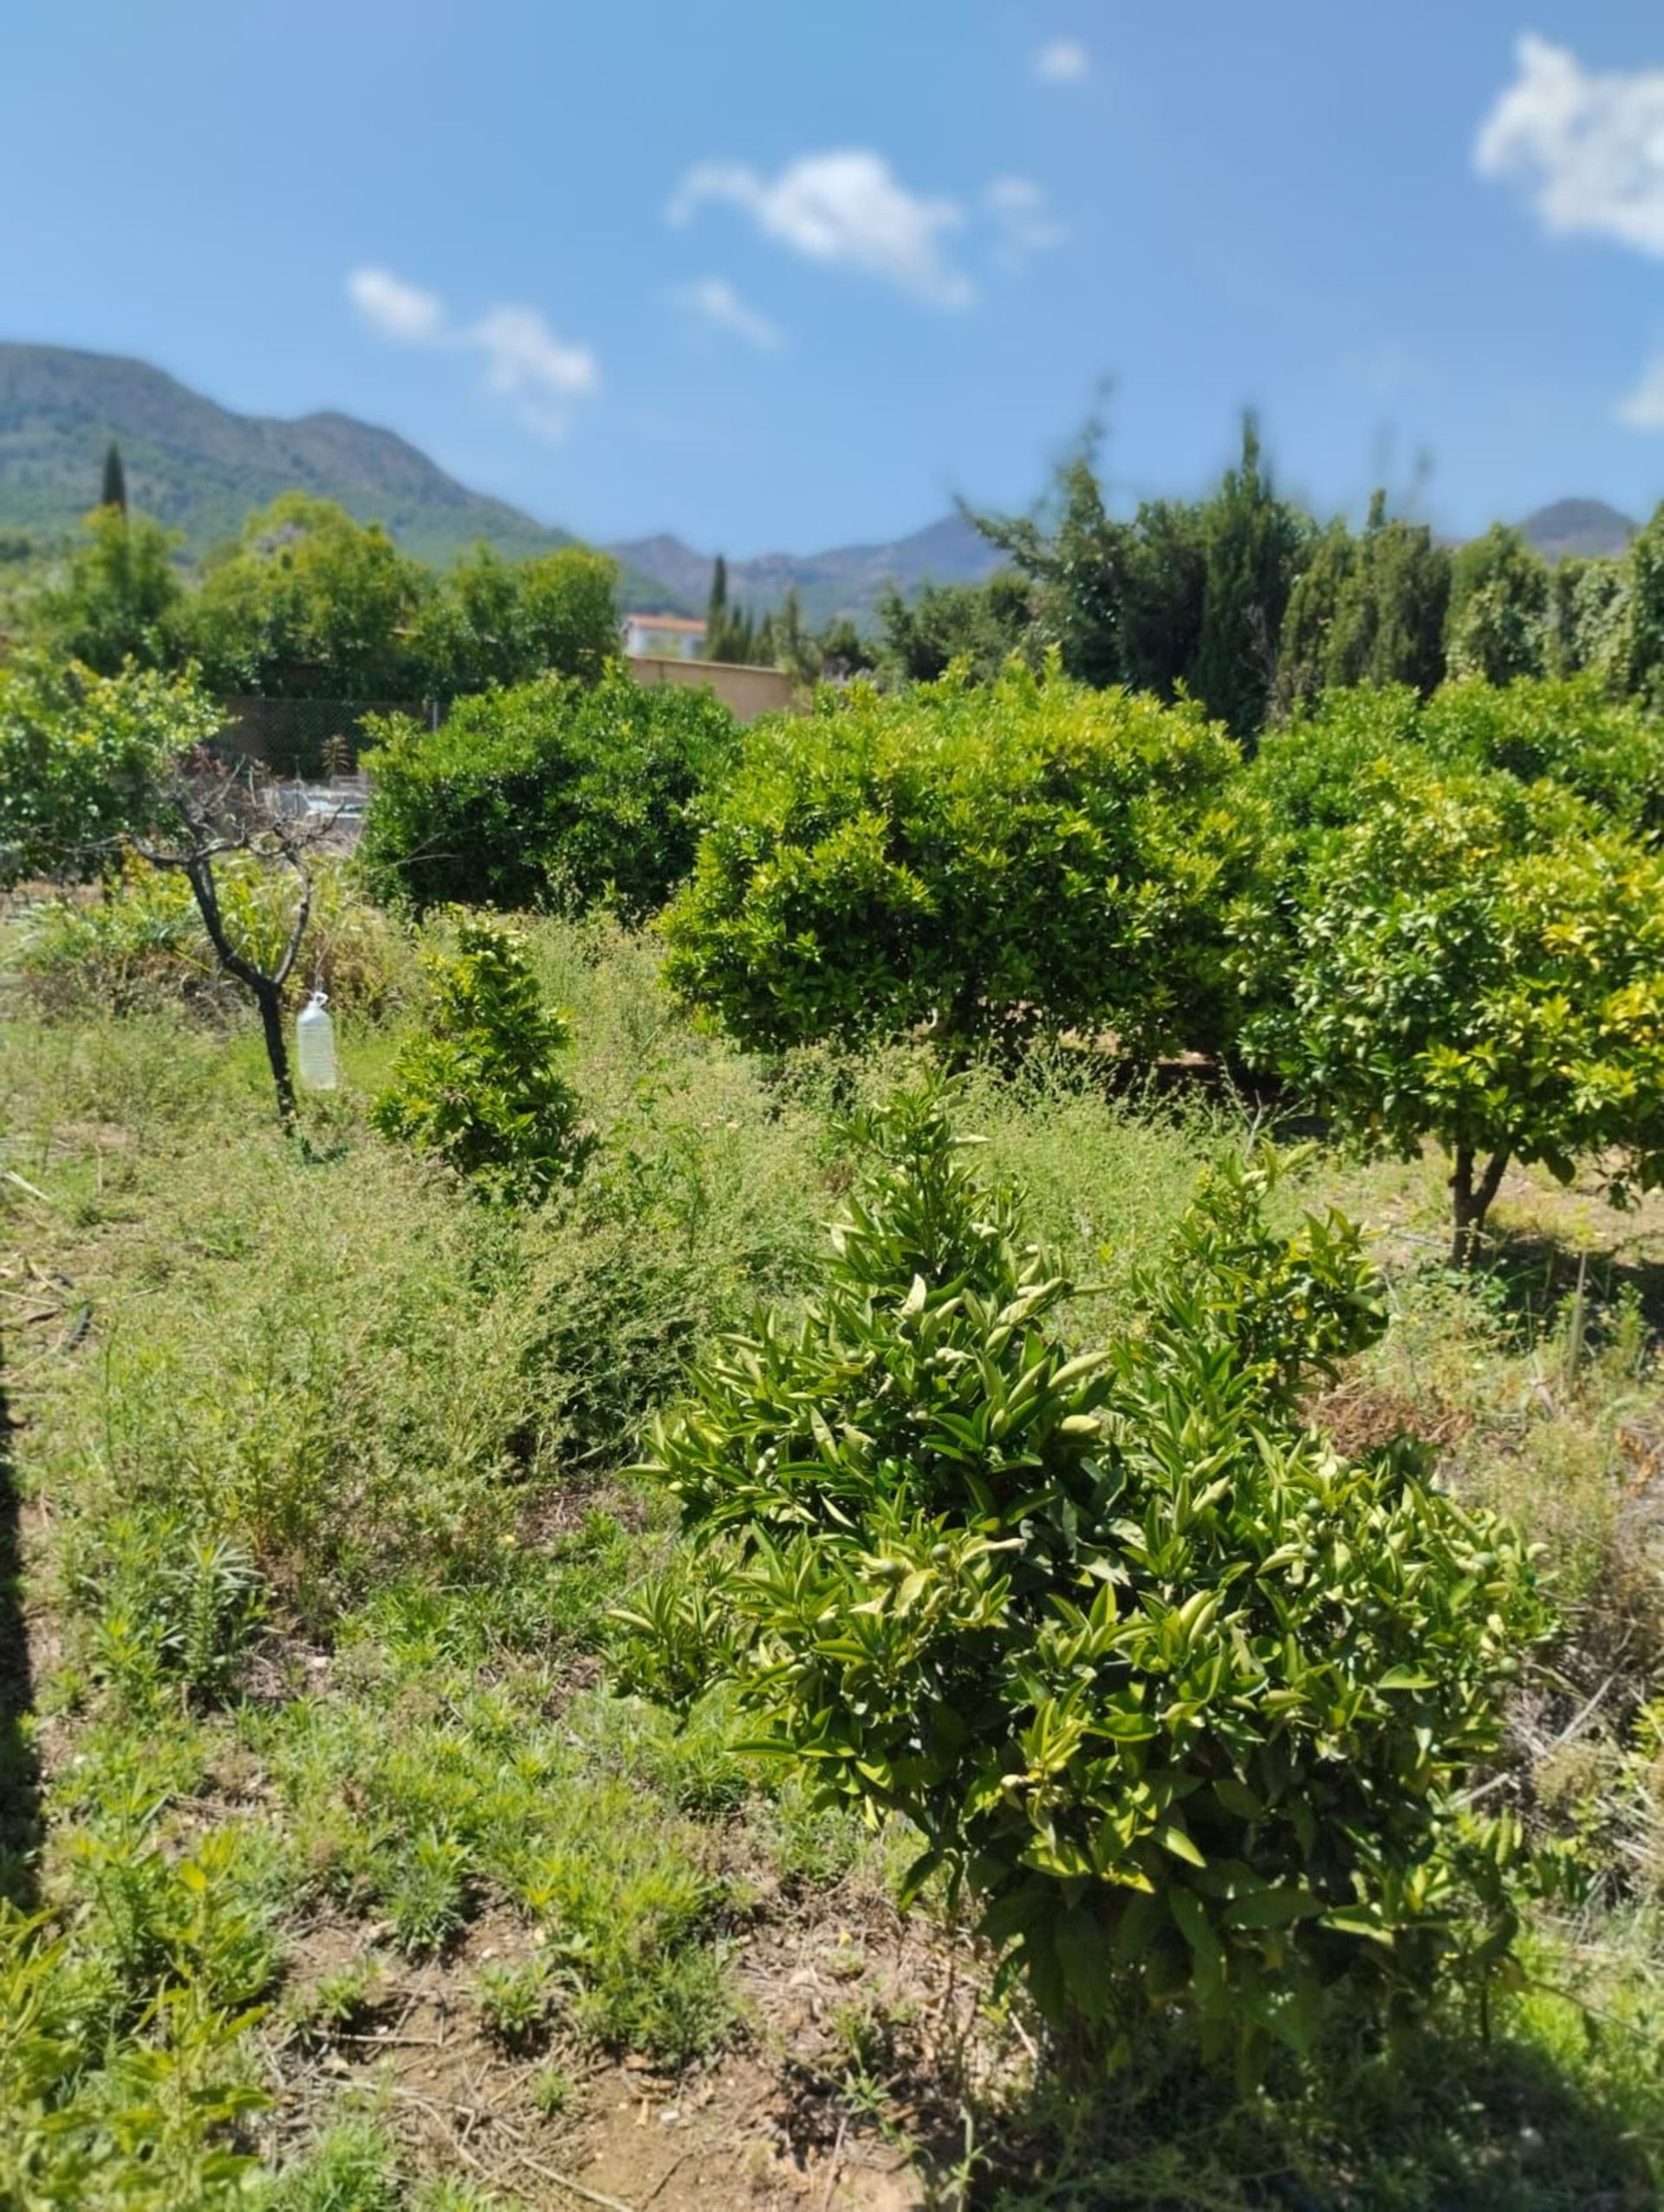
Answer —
202 468
849 579
845 580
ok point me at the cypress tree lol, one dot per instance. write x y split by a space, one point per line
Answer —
1306 643
1407 579
1253 541
1165 585
1595 619
1389 624
1644 627
715 608
114 494
1498 625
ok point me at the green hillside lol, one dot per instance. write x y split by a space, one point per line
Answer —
202 469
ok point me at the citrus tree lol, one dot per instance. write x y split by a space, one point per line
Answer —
1471 962
976 857
551 794
1609 750
97 769
1565 730
480 1087
84 759
1180 1697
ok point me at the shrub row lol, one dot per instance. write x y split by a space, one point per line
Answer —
1430 917
1438 919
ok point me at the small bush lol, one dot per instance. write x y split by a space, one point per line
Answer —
85 2119
1183 1697
550 794
141 946
479 1088
981 858
341 2003
172 1606
352 2167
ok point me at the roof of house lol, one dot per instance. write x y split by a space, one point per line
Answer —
668 622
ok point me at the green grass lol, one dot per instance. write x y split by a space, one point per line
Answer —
326 1484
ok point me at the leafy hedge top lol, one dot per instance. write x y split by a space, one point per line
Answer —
968 855
1606 752
1183 1697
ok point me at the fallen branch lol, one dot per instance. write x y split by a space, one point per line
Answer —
573 2188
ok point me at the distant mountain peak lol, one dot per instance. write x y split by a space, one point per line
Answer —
1582 528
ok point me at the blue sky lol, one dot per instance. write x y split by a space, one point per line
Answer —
785 273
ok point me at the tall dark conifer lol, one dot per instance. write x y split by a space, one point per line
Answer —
114 494
716 608
1253 542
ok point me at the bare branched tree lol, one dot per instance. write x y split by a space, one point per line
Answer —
206 811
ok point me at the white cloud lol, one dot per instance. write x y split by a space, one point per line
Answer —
525 361
1588 147
1024 223
397 309
712 300
844 209
1062 61
1643 408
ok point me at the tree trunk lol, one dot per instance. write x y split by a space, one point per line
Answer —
270 999
266 990
1471 1202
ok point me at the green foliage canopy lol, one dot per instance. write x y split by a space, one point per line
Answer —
1498 625
311 603
1078 568
1367 609
496 622
981 624
1183 595
121 599
976 857
1569 730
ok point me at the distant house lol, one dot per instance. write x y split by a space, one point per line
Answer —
663 637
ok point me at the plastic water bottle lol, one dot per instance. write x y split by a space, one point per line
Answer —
315 1043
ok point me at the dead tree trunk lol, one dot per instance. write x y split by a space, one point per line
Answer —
214 811
267 989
